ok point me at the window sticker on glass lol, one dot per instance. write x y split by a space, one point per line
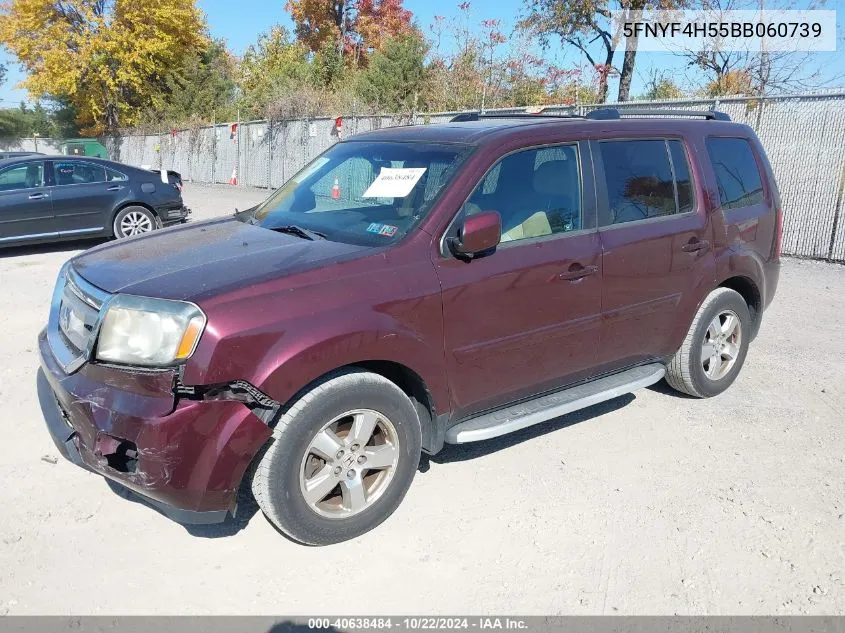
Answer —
394 182
387 230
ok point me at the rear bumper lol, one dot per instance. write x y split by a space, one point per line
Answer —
772 272
190 456
173 214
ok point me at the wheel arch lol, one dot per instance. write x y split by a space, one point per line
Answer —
409 381
750 292
130 203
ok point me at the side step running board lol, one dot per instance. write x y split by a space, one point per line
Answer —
550 406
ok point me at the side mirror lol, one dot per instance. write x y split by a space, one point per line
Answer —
479 233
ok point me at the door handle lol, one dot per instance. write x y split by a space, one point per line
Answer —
38 196
695 245
577 271
114 188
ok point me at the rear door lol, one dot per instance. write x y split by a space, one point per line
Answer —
656 246
25 208
83 196
525 318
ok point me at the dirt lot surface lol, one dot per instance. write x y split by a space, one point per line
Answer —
652 503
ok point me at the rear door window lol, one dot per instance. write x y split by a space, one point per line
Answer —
683 181
645 179
78 173
114 175
737 172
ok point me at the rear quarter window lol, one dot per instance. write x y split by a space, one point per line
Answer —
737 172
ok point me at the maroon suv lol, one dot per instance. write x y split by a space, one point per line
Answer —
411 286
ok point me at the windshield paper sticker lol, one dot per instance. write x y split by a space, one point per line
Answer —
387 230
394 182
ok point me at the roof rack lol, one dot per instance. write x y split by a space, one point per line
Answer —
477 116
607 114
601 114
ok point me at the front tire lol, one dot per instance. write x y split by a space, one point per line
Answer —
715 347
341 459
134 220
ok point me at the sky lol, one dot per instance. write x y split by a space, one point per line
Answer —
239 23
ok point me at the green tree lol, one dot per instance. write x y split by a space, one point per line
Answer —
202 88
272 67
328 65
24 121
64 117
660 86
396 75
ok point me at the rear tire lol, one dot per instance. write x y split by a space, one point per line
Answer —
134 220
314 484
715 347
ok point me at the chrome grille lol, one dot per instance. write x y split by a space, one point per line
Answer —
74 319
77 318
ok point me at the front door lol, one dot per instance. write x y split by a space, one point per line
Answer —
525 319
26 211
656 248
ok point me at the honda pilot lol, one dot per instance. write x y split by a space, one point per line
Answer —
410 287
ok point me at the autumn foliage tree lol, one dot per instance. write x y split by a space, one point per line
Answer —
108 59
355 27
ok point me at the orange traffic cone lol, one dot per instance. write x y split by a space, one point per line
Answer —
336 190
234 179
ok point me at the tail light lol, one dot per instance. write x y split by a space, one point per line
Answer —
779 234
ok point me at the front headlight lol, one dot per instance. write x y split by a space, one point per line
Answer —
149 332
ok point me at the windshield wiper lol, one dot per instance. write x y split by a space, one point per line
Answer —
299 231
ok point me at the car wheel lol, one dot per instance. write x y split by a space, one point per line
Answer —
341 459
134 221
714 350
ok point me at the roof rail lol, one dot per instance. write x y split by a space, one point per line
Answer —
607 114
477 116
464 116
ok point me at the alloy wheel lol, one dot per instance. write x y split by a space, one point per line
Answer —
349 464
721 346
135 223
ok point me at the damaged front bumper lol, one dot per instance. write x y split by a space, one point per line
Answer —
184 457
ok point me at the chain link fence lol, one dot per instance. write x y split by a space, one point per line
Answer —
804 136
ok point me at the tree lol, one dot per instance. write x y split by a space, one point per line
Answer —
581 23
730 82
396 74
202 89
319 22
107 59
24 121
328 65
355 27
376 21
660 86
756 72
273 66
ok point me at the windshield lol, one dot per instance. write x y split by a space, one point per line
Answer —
364 193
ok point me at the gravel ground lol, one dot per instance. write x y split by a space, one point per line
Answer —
652 503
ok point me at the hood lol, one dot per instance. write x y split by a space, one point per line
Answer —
203 259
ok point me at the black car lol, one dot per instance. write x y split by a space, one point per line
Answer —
47 198
4 155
